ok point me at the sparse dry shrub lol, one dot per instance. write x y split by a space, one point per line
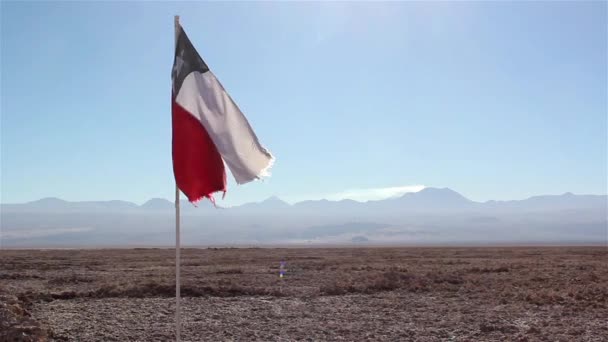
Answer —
17 276
337 288
501 269
65 295
594 295
70 279
597 294
488 327
390 281
456 262
157 289
593 277
445 278
539 279
230 271
545 297
360 268
193 263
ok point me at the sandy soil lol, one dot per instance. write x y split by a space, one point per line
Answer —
380 294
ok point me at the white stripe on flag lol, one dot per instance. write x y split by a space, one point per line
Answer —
204 97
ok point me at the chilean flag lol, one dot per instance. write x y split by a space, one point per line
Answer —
209 130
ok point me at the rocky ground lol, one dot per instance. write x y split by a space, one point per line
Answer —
381 294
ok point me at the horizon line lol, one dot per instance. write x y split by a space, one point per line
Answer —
292 203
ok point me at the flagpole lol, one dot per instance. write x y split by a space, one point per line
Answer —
177 239
177 267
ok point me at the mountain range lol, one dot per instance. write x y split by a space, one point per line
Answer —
428 199
432 215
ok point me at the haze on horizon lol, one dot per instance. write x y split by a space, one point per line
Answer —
430 216
356 195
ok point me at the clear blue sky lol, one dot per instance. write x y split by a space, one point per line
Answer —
494 100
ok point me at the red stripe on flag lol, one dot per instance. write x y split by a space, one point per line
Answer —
197 165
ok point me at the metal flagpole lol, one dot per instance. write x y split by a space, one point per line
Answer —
177 238
177 267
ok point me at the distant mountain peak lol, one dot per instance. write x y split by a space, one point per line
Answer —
271 202
435 192
157 203
49 200
48 203
158 200
273 199
434 198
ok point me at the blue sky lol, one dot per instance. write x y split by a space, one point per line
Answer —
496 100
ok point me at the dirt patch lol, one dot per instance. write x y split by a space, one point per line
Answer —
17 324
381 294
